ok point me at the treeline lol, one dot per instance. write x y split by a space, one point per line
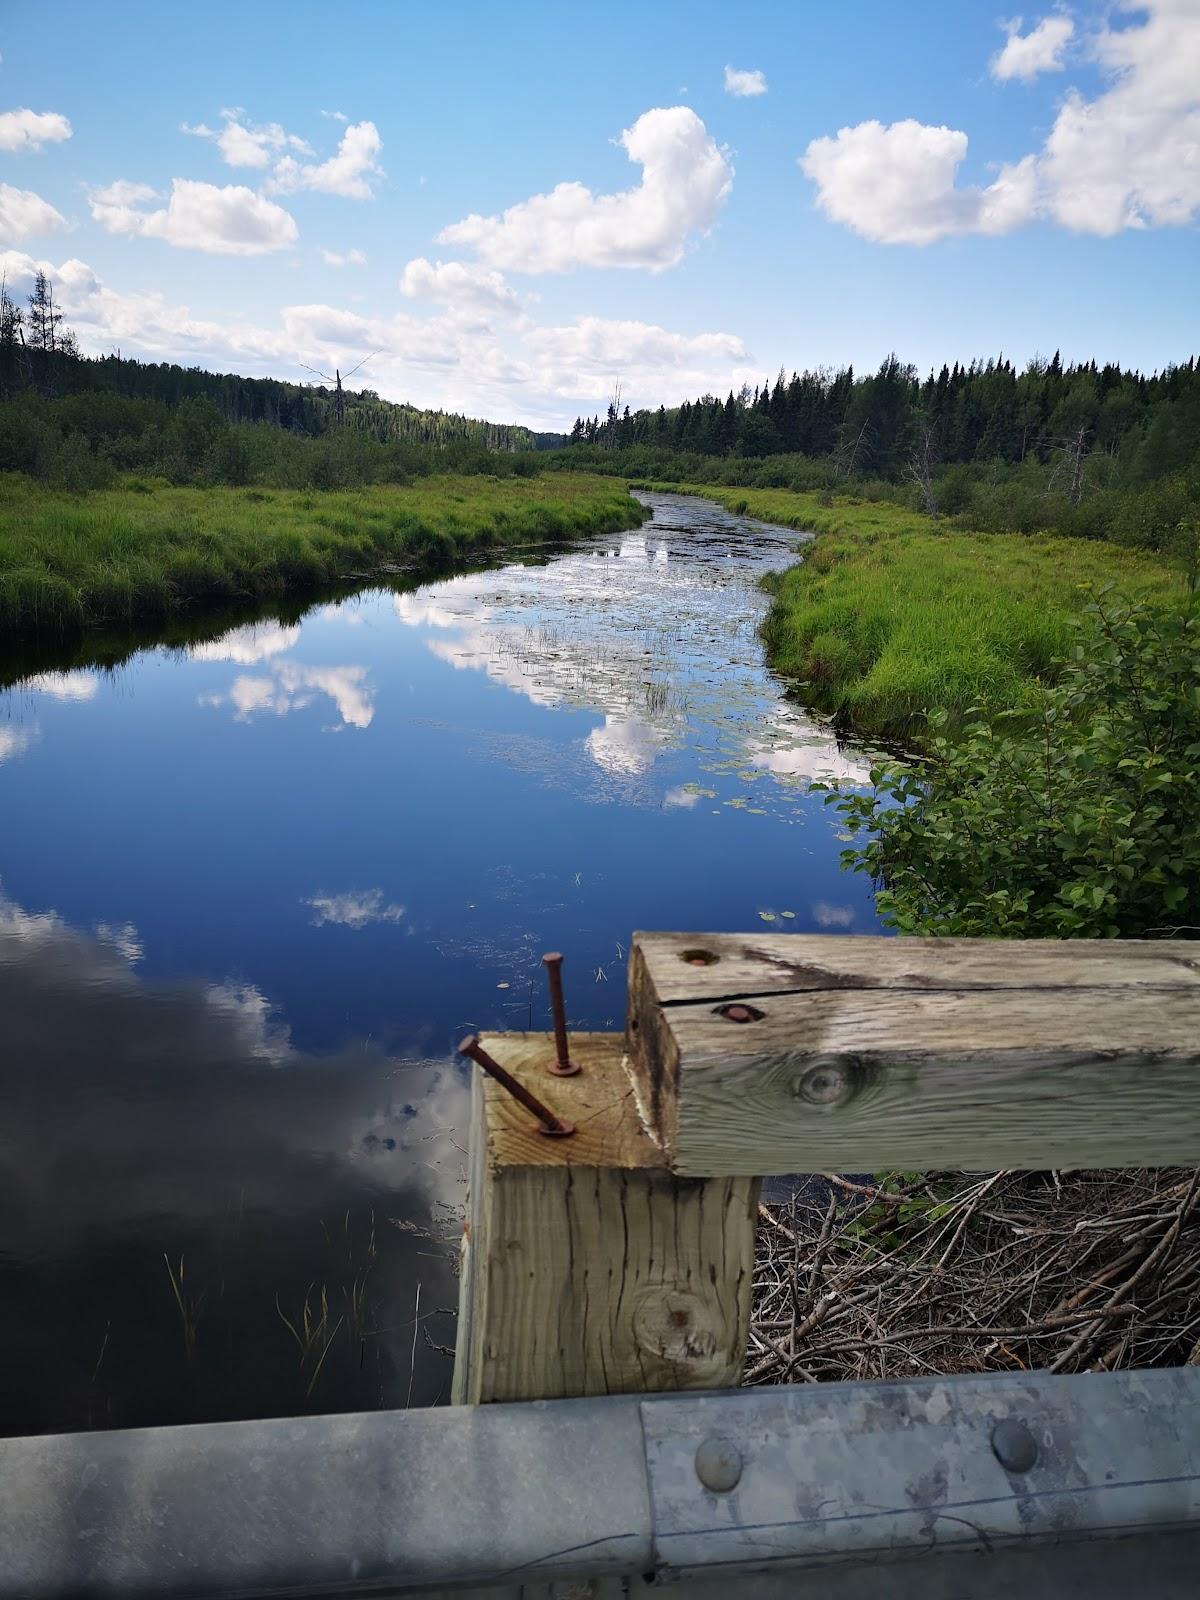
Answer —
984 412
39 357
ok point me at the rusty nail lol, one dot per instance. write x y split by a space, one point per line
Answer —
562 1066
552 1126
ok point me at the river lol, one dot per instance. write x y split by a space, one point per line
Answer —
252 892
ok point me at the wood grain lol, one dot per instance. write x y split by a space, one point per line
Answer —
589 1267
873 1053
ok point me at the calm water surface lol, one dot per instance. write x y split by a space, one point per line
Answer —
253 893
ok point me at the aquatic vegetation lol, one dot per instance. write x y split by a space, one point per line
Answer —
126 557
890 614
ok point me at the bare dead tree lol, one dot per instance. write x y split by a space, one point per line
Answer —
1068 468
339 399
920 466
845 457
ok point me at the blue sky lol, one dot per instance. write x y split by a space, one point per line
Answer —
930 178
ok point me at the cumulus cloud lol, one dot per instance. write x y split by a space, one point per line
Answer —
293 687
256 641
348 258
1040 50
245 145
580 357
27 131
457 285
24 215
63 685
353 908
1129 158
744 83
685 181
349 173
896 184
227 221
440 358
15 741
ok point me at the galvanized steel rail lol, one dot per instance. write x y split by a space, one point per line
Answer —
731 1493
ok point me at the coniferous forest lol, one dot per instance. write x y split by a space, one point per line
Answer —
1093 451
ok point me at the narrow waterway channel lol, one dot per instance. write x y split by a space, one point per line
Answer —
253 892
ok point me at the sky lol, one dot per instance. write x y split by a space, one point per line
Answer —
509 210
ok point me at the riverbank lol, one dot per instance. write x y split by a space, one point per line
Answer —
145 553
891 615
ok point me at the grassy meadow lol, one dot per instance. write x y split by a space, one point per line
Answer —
147 552
890 614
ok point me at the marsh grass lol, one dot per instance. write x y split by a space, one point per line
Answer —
128 557
890 614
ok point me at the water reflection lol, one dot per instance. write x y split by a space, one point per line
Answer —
293 687
226 1066
175 1129
255 642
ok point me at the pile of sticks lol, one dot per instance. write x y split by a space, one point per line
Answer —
950 1272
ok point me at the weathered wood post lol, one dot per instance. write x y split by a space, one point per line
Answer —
588 1266
620 1259
785 1053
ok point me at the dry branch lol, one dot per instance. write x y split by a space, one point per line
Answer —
952 1272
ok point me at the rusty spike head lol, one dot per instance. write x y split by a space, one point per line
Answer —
562 1066
553 1126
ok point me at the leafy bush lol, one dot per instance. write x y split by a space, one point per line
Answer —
1078 816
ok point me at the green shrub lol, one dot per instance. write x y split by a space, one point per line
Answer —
1076 817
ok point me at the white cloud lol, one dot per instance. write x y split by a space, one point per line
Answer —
624 746
228 221
826 915
353 909
243 145
124 939
580 358
348 258
336 116
447 359
27 131
1040 50
257 641
458 285
744 83
15 741
63 685
1129 158
685 181
293 687
348 173
24 214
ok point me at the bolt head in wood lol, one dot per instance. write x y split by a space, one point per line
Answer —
562 1129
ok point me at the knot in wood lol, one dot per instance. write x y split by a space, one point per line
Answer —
833 1083
682 1330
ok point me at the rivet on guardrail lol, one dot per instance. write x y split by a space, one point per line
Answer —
1013 1445
718 1464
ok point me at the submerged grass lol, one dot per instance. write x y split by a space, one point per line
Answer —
890 614
142 554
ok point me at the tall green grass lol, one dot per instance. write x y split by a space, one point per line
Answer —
142 554
890 615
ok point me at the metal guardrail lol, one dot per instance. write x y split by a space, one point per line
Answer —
1089 1483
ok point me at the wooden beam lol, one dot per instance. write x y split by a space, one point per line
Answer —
871 1053
588 1266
